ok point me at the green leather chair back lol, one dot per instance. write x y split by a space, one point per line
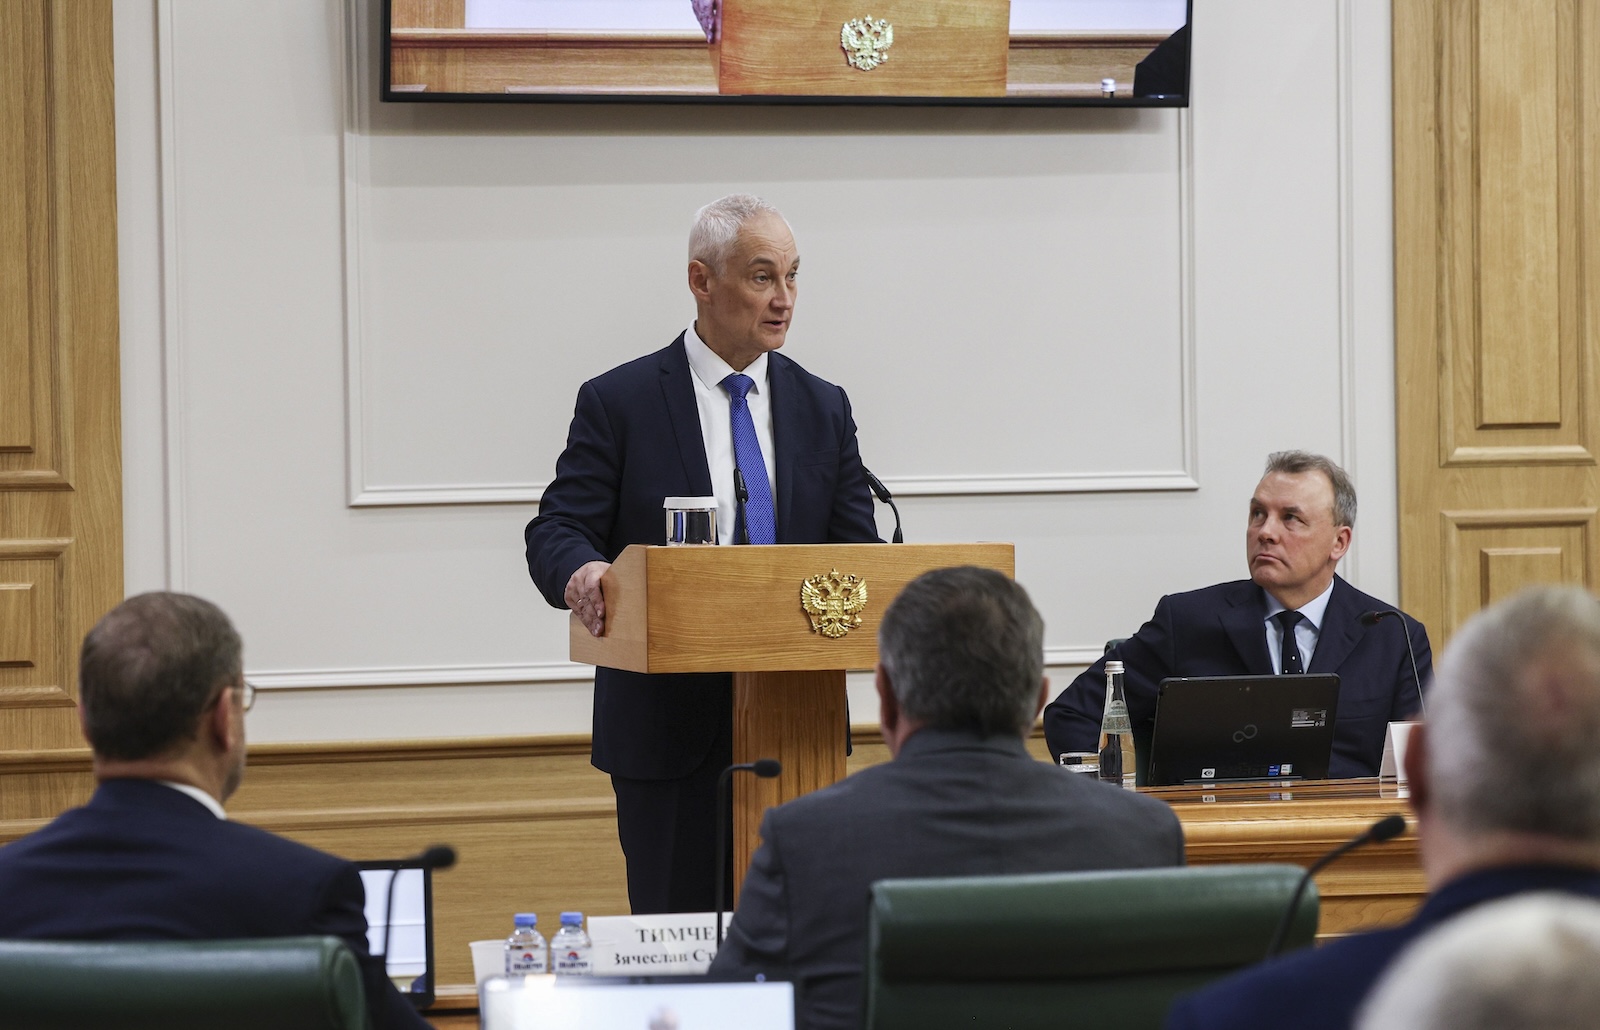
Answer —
304 983
1100 949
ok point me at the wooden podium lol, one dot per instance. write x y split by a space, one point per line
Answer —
739 610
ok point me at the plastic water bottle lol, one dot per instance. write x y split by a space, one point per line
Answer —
525 948
1118 763
571 952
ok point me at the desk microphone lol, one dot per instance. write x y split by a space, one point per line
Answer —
1372 619
741 496
1387 828
883 494
766 768
440 856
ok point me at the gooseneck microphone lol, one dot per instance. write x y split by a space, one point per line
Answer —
741 497
883 494
766 768
440 856
1387 828
1372 619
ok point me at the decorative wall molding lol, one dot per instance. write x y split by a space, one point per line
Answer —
359 46
173 363
356 677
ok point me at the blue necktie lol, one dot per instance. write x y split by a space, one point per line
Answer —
1291 646
760 525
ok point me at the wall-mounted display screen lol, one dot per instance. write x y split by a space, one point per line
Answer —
1003 52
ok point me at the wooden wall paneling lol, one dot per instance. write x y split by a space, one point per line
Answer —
60 445
535 825
1497 233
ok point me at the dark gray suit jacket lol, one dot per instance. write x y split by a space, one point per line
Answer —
951 804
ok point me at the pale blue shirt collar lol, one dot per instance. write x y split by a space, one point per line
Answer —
1313 610
711 370
1306 634
199 795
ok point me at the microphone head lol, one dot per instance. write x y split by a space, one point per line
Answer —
1370 618
1387 828
766 768
440 856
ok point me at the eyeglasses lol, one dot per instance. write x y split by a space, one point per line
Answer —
247 696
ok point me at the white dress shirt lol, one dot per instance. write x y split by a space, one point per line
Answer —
198 794
1306 631
717 430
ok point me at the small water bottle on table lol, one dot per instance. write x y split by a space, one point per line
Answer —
1117 760
571 953
525 948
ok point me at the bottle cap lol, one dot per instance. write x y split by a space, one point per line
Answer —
572 919
1113 666
525 919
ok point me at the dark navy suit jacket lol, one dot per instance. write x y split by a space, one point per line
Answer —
954 803
1220 631
1323 988
142 861
635 439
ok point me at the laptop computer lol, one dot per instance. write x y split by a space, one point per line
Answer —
1217 729
409 961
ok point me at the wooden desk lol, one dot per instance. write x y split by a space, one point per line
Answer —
1378 885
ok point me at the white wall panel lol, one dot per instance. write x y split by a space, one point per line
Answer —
1078 330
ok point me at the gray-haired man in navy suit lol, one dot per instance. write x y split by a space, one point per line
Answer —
1292 615
678 423
152 856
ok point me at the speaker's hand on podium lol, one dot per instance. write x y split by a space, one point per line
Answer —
583 595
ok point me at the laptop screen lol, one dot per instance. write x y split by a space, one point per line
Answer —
409 960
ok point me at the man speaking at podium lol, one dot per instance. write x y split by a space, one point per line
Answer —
1292 615
679 422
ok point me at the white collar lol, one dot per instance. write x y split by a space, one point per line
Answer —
1313 610
199 795
711 370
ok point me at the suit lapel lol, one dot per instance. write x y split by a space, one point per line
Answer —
1340 629
677 387
778 372
1243 620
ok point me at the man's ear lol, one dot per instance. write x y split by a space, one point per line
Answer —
218 723
888 704
1044 697
699 280
1341 543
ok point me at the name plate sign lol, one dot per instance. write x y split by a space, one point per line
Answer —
680 942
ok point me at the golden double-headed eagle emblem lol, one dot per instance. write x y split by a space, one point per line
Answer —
866 42
834 603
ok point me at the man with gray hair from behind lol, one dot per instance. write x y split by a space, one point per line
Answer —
1505 787
1522 963
960 681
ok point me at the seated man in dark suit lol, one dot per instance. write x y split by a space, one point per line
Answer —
1505 786
960 682
1301 519
152 856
